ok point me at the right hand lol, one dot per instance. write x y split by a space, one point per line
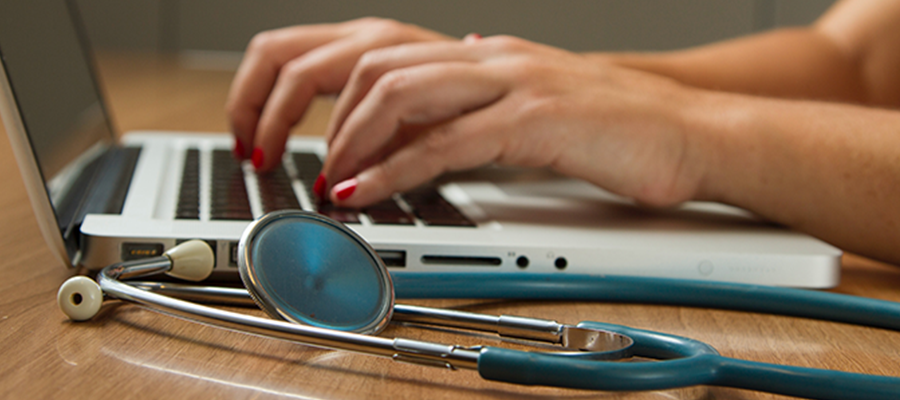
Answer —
284 69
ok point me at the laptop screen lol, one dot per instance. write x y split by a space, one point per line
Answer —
51 78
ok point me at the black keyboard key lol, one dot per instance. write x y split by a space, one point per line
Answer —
228 200
345 215
189 193
430 207
276 192
426 202
308 168
390 217
388 212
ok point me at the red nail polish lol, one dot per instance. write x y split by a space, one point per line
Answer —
472 37
257 158
319 186
238 149
344 189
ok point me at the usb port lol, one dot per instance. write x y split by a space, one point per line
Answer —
232 254
392 258
134 251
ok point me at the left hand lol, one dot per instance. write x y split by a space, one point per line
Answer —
414 111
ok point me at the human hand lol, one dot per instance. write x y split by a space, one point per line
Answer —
414 111
284 69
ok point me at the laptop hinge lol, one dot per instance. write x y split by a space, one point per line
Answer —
103 191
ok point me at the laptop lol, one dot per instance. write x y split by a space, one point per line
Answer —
100 200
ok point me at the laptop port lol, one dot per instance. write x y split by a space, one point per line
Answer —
560 263
392 258
522 261
134 251
232 254
462 260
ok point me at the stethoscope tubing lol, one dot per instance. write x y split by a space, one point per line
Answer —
694 363
687 362
537 369
643 290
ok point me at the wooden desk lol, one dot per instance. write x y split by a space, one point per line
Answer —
130 353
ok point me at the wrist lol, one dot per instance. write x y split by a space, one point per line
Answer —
719 146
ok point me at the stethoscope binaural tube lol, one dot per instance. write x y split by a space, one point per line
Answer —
683 362
286 280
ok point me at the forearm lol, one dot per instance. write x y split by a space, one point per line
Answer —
789 63
826 169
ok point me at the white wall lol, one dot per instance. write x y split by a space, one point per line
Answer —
172 25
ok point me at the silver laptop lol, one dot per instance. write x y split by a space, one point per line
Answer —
99 200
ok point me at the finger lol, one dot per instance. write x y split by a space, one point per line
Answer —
423 95
374 64
472 37
320 71
256 75
466 142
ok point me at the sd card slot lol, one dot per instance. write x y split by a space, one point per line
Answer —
461 260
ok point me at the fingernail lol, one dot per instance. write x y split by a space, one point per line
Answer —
344 189
472 37
319 186
257 158
238 149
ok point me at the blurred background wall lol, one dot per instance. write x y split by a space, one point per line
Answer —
228 25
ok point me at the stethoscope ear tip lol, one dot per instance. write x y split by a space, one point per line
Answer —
193 260
79 298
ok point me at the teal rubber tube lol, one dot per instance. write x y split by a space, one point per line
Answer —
728 296
685 362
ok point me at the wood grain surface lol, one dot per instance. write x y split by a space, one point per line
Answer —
128 352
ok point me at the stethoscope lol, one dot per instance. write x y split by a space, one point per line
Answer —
333 291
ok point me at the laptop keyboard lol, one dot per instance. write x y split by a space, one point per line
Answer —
228 195
229 198
189 194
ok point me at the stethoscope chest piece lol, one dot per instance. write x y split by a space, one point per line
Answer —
311 270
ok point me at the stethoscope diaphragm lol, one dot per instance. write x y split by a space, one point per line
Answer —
311 270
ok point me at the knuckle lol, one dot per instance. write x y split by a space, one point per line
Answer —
233 108
240 119
369 66
438 140
368 21
294 69
390 86
521 71
384 172
262 42
507 43
388 25
538 106
388 30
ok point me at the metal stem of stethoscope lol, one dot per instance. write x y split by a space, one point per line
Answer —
504 325
81 293
449 356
